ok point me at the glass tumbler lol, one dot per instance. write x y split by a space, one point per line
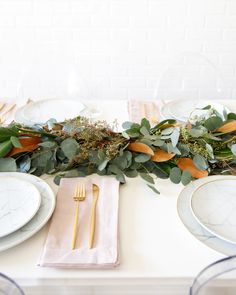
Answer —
9 287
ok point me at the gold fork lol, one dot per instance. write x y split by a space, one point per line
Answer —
5 109
93 215
79 196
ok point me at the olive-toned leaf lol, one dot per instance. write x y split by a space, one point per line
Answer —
167 121
175 175
154 189
8 165
231 116
6 133
200 162
147 177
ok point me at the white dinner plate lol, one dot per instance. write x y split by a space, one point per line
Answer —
39 112
214 205
41 217
183 109
19 202
193 225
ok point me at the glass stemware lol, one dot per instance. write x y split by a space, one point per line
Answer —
9 287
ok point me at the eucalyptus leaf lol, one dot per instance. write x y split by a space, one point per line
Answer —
142 158
127 125
8 165
144 130
186 177
69 147
57 179
175 136
213 123
103 165
175 175
167 131
48 144
158 142
131 173
120 177
145 123
200 162
197 131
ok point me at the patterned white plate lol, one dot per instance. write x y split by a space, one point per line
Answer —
41 217
193 225
214 205
41 111
183 109
19 202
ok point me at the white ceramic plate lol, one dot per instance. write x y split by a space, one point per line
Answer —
182 109
192 224
41 111
19 202
41 217
214 205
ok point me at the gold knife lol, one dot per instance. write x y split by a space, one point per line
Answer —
93 215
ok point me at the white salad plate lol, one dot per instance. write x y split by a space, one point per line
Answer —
19 202
184 109
214 205
39 112
202 233
41 217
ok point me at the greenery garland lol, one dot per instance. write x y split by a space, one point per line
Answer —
78 147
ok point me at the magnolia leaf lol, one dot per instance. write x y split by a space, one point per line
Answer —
142 158
175 175
175 136
25 164
15 142
186 177
231 116
200 162
69 147
147 177
213 123
154 189
233 149
167 131
8 165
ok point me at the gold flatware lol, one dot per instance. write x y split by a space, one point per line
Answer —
79 196
2 105
6 109
93 215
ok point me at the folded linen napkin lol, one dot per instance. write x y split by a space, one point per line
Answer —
57 251
143 109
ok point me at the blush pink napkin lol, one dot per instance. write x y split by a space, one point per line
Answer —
57 250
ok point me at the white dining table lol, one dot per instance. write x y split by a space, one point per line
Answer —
158 255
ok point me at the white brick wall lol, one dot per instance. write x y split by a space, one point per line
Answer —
121 48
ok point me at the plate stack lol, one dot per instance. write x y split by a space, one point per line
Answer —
207 207
26 204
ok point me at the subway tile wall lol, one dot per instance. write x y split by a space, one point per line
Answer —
120 49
